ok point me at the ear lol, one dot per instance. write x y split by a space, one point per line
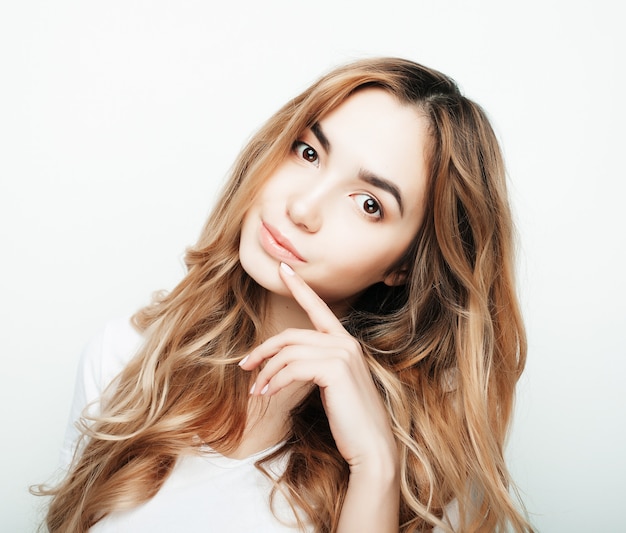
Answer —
395 278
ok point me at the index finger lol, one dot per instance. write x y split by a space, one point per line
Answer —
319 313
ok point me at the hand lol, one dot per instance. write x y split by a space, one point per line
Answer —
332 359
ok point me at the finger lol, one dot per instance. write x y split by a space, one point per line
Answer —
298 353
297 371
291 355
314 340
322 371
319 313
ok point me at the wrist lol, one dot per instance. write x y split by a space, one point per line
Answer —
382 467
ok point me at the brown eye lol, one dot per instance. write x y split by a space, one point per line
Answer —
310 155
306 152
369 205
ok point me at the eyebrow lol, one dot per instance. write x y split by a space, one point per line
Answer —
321 136
384 184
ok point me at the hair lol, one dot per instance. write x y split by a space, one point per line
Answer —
445 349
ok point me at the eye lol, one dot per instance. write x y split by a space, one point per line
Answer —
306 152
369 205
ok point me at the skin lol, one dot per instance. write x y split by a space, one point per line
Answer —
338 245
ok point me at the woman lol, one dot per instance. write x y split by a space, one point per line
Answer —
348 324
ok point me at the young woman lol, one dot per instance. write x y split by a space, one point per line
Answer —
343 351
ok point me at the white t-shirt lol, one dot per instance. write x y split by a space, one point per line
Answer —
204 493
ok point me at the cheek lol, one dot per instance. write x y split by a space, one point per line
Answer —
367 251
278 182
247 226
358 266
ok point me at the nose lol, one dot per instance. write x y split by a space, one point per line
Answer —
304 210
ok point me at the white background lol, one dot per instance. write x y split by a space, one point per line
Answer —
119 120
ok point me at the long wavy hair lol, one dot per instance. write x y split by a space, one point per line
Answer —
445 349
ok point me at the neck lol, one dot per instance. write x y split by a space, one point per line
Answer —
283 312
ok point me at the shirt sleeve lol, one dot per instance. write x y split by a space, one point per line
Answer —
103 358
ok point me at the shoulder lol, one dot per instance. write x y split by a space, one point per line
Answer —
106 354
102 359
119 343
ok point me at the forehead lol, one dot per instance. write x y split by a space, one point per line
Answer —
377 116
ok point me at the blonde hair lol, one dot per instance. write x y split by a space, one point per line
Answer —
445 350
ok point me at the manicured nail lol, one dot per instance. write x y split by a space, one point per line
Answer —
252 389
265 389
243 361
287 269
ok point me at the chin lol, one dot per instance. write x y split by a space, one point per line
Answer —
264 272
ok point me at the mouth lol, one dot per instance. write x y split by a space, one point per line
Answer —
277 245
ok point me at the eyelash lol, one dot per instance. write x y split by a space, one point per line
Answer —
300 148
376 203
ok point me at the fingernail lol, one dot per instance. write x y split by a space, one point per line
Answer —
287 269
243 361
252 389
265 389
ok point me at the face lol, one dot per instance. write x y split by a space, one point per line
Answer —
345 205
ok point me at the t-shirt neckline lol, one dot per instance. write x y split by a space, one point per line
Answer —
230 462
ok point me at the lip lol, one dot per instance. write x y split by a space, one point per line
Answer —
277 245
